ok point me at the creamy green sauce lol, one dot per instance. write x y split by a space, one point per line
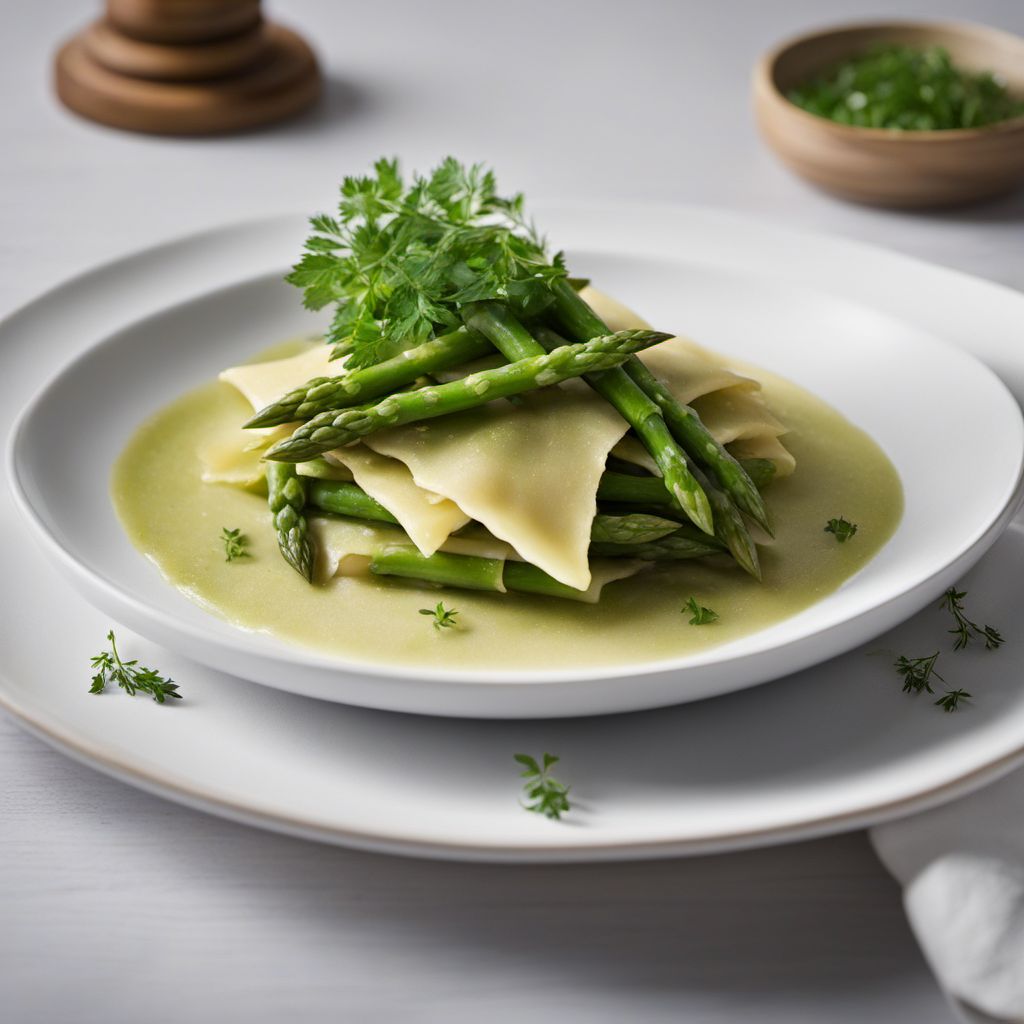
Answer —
175 520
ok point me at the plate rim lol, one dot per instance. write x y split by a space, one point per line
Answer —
810 827
458 679
65 740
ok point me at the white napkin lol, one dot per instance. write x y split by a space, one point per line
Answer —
962 871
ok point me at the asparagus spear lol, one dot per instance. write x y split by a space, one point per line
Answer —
761 471
649 490
639 490
333 429
631 529
287 498
729 526
347 499
469 572
322 394
671 548
690 432
514 341
581 322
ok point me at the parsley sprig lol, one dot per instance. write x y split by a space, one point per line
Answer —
235 544
444 618
129 675
399 259
842 529
542 793
964 630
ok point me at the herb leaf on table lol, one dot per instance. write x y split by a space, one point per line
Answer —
129 675
964 630
542 793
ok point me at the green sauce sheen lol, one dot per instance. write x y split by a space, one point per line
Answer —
175 520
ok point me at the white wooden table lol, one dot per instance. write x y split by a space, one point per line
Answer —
117 907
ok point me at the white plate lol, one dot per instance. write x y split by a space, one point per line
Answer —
933 409
836 747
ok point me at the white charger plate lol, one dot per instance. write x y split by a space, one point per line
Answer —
835 747
932 407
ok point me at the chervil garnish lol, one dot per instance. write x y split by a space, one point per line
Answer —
542 793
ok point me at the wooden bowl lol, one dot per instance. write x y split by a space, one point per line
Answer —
881 166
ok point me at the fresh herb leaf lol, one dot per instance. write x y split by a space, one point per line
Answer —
842 529
129 675
444 618
964 630
902 87
699 615
235 544
542 793
950 700
399 260
917 673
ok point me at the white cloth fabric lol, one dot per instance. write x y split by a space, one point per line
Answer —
962 871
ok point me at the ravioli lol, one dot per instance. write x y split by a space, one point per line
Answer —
427 517
528 472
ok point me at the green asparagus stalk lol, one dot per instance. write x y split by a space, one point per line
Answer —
287 499
469 572
581 322
627 530
671 548
333 429
633 490
322 394
344 498
761 471
649 490
696 439
514 341
730 527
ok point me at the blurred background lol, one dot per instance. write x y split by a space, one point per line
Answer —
646 99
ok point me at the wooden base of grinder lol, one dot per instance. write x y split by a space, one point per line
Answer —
150 66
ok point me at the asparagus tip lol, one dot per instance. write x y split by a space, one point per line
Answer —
697 508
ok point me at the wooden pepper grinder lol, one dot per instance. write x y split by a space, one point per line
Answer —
186 67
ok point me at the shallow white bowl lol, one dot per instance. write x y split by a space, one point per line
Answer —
952 429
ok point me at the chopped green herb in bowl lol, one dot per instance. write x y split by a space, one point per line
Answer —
896 113
905 88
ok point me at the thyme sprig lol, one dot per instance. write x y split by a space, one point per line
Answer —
964 630
129 675
444 618
918 672
235 543
950 700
